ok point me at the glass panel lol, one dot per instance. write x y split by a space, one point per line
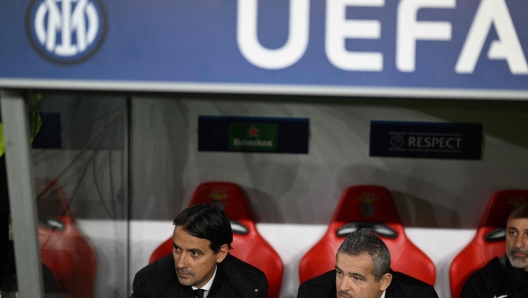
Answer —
293 196
80 168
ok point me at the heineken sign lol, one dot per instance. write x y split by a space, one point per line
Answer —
253 134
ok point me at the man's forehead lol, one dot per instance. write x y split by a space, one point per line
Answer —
520 212
183 238
518 223
361 264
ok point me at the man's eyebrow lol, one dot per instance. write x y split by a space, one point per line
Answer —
353 274
357 275
191 249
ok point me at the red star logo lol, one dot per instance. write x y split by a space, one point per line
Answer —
253 131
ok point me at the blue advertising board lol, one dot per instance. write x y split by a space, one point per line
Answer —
253 134
440 48
426 140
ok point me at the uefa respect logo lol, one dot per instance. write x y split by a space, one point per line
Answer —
66 31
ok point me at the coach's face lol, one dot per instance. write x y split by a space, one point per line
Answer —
354 278
194 259
517 242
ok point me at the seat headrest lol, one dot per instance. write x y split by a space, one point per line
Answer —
379 229
501 204
366 203
226 196
238 227
498 234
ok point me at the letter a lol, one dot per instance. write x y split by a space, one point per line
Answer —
507 47
410 30
280 58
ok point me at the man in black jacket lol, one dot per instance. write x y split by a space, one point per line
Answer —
506 276
363 271
200 264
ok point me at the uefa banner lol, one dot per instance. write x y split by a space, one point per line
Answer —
459 47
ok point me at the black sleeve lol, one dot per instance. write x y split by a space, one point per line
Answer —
474 286
135 288
322 286
155 279
265 291
49 281
260 281
256 280
244 279
144 284
422 291
403 285
432 293
304 291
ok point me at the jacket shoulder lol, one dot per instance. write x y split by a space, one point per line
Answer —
486 279
410 286
154 279
494 266
243 278
320 286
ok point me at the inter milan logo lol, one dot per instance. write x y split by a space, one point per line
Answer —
66 31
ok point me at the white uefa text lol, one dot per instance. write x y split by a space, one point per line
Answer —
339 29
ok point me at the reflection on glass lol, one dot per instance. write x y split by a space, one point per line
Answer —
80 169
64 249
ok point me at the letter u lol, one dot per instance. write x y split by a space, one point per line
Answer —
283 57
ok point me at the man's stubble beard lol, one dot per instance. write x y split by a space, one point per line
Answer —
518 262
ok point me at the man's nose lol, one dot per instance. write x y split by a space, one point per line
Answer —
181 261
344 285
521 241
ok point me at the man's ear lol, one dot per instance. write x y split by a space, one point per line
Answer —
222 253
385 281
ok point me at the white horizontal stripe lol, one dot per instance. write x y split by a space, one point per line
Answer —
143 86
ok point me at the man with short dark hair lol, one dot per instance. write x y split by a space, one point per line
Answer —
506 276
200 264
363 271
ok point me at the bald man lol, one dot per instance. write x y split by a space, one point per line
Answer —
507 276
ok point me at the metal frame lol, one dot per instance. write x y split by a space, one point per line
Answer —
22 197
268 89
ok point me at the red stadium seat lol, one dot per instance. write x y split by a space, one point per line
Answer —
248 245
164 249
489 241
64 250
367 207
